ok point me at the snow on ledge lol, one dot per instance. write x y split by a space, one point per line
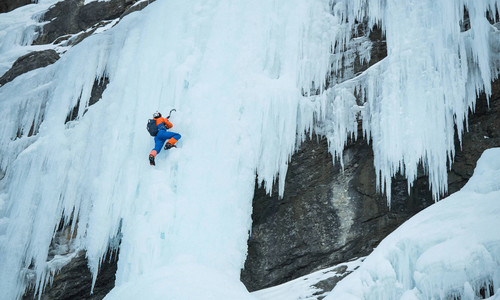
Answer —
451 249
88 1
308 286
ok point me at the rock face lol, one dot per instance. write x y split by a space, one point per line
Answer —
8 5
28 62
326 216
71 16
483 133
74 280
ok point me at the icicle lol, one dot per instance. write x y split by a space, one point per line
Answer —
429 80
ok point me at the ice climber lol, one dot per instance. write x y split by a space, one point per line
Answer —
163 124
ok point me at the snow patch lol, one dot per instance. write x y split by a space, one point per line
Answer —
306 287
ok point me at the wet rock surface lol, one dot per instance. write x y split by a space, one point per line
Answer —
74 281
327 216
9 5
72 16
483 133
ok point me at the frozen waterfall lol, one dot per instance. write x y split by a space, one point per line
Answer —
236 72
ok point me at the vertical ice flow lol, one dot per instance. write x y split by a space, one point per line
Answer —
238 74
426 85
233 71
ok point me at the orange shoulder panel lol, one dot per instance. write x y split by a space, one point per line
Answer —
159 121
164 120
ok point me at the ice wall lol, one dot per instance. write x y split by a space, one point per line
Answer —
449 250
236 72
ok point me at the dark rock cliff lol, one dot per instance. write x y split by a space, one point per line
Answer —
29 62
74 280
71 17
8 5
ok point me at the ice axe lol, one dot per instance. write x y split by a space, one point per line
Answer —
173 109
